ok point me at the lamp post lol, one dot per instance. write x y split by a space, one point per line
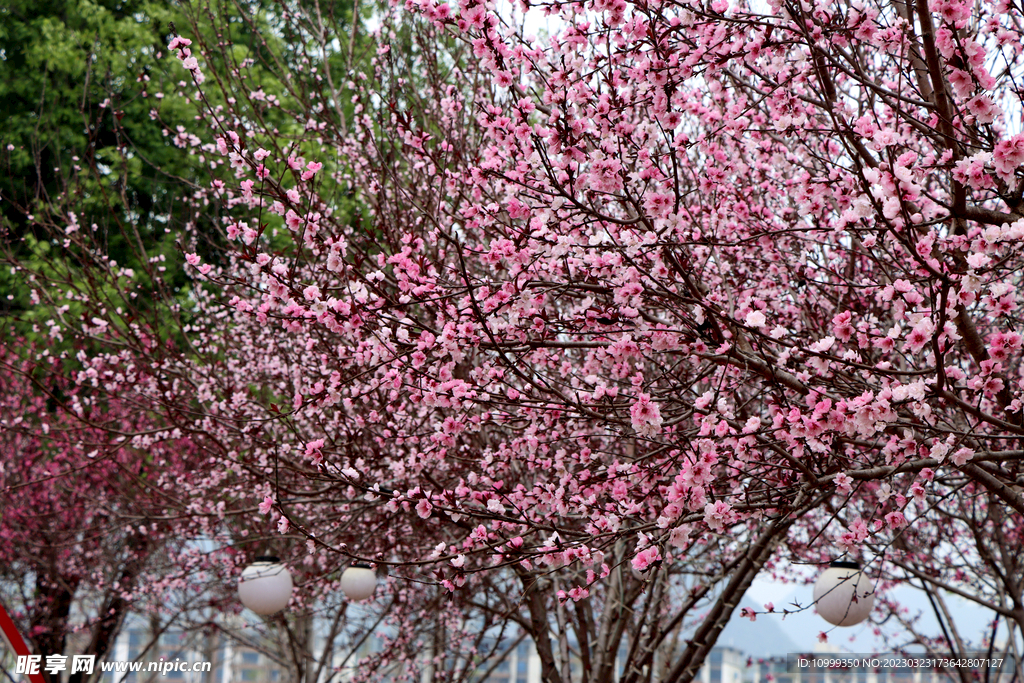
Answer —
843 594
265 586
358 582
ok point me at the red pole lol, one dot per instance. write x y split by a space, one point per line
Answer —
16 642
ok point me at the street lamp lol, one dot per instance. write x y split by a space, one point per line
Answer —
844 595
265 585
358 582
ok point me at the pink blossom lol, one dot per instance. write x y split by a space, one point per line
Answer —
646 416
843 483
983 109
178 42
313 451
896 520
920 335
842 327
1008 155
855 535
961 456
293 220
717 515
266 505
578 593
646 558
756 319
823 345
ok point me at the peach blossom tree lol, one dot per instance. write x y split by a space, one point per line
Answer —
588 331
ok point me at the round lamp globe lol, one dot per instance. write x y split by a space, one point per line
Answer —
843 594
265 586
358 582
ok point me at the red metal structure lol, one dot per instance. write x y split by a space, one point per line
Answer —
16 642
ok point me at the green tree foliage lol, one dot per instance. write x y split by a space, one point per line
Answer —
100 131
78 84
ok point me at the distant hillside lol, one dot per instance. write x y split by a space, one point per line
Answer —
765 637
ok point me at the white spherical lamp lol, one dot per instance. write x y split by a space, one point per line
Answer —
265 586
844 595
358 582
